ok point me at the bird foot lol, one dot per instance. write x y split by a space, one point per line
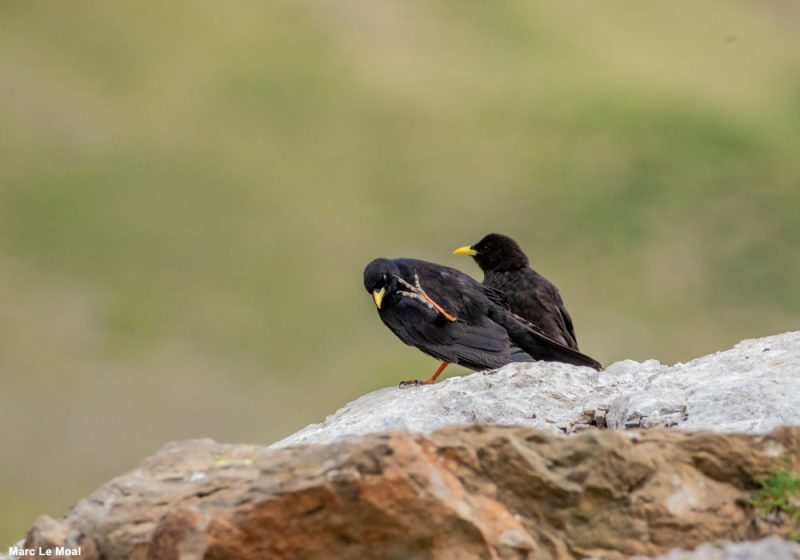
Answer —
414 383
414 291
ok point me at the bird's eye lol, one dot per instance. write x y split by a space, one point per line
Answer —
385 278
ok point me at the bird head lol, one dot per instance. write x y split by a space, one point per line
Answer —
380 280
495 252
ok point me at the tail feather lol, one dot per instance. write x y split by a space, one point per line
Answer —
537 344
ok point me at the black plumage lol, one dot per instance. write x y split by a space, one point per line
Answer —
530 295
456 319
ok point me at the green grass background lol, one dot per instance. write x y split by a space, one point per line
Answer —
189 192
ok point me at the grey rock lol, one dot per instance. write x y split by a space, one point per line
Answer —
541 396
752 388
771 548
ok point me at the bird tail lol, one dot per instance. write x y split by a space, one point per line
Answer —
537 344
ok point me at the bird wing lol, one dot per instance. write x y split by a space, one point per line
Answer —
537 344
567 320
458 294
481 346
550 299
496 296
474 343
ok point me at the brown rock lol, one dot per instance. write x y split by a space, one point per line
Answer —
462 492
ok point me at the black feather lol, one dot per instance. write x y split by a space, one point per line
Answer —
529 294
484 334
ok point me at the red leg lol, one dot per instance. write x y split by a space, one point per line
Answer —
438 307
433 377
430 381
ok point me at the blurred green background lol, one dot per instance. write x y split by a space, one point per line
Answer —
189 193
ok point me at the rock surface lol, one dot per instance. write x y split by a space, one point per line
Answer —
462 492
441 490
772 548
752 388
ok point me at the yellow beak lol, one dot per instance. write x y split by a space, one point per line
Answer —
466 250
377 295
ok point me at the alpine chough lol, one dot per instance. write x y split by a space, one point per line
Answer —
530 295
456 319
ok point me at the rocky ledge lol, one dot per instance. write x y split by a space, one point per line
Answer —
460 492
530 489
751 388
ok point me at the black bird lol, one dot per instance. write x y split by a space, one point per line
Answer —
530 295
456 319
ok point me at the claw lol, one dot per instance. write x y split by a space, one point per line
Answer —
417 292
414 291
413 383
430 381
